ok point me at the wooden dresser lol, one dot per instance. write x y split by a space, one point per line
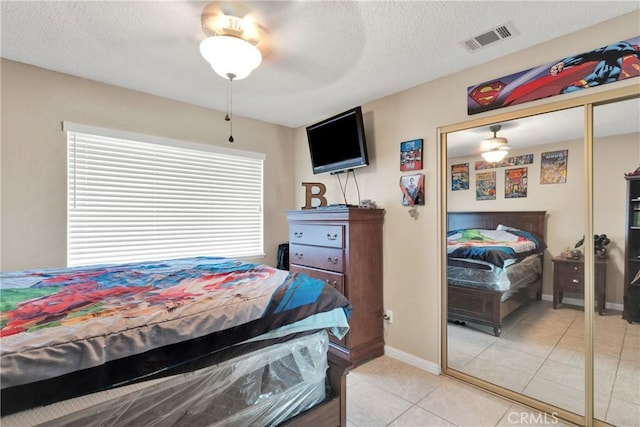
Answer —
344 247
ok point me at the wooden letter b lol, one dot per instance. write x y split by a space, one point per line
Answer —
310 194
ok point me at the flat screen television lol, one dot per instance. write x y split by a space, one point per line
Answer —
338 143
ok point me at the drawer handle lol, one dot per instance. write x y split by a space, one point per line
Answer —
298 234
332 237
575 268
333 260
334 283
575 281
298 255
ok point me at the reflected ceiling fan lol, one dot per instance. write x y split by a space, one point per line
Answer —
495 148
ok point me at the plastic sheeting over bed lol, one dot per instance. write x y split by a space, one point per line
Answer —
265 388
485 275
68 332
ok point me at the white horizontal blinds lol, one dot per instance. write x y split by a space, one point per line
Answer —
131 201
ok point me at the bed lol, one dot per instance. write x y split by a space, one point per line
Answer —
476 292
194 341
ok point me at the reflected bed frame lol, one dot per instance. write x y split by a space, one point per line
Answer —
484 306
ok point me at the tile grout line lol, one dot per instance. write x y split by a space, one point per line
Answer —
615 378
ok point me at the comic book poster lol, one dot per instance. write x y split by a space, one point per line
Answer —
553 167
486 185
621 60
460 177
515 183
411 155
525 159
412 187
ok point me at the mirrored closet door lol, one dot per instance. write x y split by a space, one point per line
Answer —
503 327
616 342
518 326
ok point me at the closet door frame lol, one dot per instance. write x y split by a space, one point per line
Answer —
587 102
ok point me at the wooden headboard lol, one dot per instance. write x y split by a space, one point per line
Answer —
533 221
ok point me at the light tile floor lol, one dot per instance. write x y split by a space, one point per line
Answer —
539 354
388 392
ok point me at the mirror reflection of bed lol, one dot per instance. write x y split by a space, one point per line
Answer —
486 284
526 346
512 337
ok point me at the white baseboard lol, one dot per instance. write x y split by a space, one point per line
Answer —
410 359
580 303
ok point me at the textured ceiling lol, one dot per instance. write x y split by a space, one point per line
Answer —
326 56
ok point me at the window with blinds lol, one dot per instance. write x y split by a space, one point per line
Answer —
137 198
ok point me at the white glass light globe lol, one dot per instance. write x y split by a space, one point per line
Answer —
230 57
495 155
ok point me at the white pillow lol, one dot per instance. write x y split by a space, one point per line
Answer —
501 227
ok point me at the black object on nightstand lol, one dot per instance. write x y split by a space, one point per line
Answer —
568 276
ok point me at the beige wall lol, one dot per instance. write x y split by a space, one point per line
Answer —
411 256
33 173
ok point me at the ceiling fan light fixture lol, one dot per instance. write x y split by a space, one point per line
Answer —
495 155
495 148
233 46
230 57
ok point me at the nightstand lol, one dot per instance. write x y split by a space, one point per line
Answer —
568 276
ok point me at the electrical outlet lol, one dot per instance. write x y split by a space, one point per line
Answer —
388 316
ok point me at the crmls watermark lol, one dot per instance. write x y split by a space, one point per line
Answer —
523 418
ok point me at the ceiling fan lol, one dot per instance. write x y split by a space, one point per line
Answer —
234 46
495 148
235 42
287 40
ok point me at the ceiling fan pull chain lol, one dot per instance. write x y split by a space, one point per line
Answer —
229 115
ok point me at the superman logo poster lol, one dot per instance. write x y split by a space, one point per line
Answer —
608 64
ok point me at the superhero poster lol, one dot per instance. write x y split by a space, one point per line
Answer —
608 64
525 159
486 185
460 177
412 187
411 155
553 167
515 183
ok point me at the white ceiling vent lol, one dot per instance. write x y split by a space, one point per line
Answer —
499 33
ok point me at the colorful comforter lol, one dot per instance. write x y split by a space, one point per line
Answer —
498 247
62 320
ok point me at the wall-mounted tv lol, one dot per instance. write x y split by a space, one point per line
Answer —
338 143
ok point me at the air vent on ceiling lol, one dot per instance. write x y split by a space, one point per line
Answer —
500 33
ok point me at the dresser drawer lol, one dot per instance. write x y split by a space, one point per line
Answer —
570 276
317 235
315 256
570 268
571 282
334 279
